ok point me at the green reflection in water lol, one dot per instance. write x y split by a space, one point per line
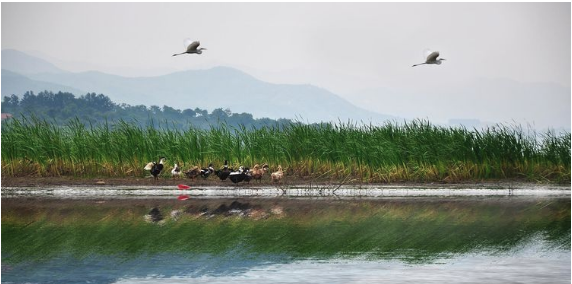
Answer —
415 230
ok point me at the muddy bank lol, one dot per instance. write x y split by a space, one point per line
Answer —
212 181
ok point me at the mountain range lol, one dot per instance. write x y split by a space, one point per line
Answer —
479 103
219 87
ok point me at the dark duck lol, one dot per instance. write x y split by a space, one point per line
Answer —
204 173
224 172
155 168
243 174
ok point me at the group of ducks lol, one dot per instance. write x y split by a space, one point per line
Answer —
242 174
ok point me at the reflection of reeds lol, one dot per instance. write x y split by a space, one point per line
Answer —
416 230
415 151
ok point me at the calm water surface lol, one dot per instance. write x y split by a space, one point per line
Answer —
453 239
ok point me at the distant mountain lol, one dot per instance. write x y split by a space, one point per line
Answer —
14 83
219 87
23 63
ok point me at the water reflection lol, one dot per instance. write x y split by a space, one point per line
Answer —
531 262
520 267
492 239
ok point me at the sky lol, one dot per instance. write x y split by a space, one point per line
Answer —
347 48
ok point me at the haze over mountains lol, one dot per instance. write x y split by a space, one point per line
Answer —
219 87
481 102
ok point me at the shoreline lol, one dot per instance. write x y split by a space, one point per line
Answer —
289 181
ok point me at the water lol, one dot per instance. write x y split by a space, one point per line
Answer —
405 235
364 191
532 263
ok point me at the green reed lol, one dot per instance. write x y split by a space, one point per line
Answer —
413 151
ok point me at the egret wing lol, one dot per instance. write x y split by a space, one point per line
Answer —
433 56
187 42
193 46
426 53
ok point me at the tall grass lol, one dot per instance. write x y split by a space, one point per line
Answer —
414 151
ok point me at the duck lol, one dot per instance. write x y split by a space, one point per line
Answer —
206 172
176 171
224 172
195 172
243 174
155 168
277 175
258 172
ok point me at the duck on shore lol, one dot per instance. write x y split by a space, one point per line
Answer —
243 174
195 172
224 172
277 175
176 171
258 171
155 168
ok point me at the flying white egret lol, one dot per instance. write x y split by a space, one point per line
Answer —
192 47
431 58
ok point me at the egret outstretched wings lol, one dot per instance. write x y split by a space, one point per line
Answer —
431 57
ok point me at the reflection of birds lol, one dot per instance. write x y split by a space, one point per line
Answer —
176 171
241 175
224 172
155 168
432 59
191 48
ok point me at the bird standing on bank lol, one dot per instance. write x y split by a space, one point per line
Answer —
155 168
224 172
277 175
206 172
243 174
176 171
192 47
432 59
195 172
258 172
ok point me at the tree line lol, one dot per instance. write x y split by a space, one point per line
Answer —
95 108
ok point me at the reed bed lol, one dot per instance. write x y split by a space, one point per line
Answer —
414 151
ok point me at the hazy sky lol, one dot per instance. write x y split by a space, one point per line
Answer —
343 47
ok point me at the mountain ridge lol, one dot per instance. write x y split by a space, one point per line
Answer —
217 87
